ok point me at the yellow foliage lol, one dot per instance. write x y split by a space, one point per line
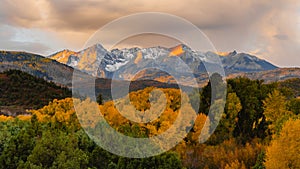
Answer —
5 118
152 129
284 151
112 115
140 108
58 111
235 165
198 127
275 110
88 113
24 117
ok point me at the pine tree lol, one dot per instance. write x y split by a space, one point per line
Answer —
99 99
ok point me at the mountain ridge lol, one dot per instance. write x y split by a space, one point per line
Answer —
109 61
104 63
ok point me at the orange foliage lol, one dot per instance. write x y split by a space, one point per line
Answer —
140 107
112 115
24 117
228 154
5 118
198 127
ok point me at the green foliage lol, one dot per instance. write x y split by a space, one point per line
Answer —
38 143
251 121
99 99
290 88
18 146
275 110
214 90
164 161
294 106
260 161
227 124
56 149
53 138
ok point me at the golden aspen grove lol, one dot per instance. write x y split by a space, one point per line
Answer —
257 130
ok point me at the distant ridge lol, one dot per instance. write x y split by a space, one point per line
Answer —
37 65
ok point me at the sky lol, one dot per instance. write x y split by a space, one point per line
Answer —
269 29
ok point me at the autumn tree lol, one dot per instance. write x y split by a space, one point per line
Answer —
284 151
232 108
275 110
198 128
251 93
228 121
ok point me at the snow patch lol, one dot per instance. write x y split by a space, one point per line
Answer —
116 66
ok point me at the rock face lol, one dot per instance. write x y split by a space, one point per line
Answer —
242 62
97 61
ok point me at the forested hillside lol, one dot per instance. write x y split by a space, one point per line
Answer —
260 122
19 89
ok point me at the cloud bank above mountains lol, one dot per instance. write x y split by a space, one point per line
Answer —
268 29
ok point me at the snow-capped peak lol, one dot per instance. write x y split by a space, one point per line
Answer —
96 60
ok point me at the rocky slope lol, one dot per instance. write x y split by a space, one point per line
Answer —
37 65
98 61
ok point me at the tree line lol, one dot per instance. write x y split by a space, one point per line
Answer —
258 129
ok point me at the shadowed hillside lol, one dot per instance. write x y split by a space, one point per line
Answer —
20 91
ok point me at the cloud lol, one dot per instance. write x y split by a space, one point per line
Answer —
281 36
30 40
14 12
33 47
270 27
91 14
278 34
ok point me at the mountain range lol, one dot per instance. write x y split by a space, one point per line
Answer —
103 64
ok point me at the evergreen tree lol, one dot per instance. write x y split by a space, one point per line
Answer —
99 99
